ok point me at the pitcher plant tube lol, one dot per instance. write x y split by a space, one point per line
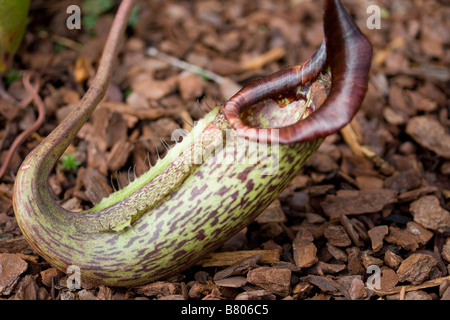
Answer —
230 167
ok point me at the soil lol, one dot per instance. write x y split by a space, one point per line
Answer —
373 201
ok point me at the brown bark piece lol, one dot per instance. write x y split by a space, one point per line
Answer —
428 212
232 282
422 235
357 290
337 236
337 253
392 260
221 259
305 252
117 129
403 238
325 283
446 250
389 278
323 268
369 260
354 264
377 235
96 185
11 266
358 202
49 275
105 293
157 288
369 182
272 214
256 295
302 289
314 218
416 268
346 223
190 85
239 268
159 88
274 280
403 181
27 289
416 193
118 156
418 295
430 134
142 110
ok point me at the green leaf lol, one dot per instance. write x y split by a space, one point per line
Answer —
89 21
97 7
13 75
134 17
69 162
13 21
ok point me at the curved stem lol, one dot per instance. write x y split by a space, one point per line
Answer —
348 53
59 139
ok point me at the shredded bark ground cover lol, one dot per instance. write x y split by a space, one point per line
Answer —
367 218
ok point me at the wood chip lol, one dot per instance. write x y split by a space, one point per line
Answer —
428 212
346 223
377 235
403 238
322 268
403 181
272 214
446 250
232 282
325 283
157 288
392 260
305 252
430 134
416 193
27 289
337 236
354 264
314 218
416 268
239 268
357 290
358 202
86 295
256 295
142 110
369 260
119 154
423 235
105 293
11 266
50 275
159 88
389 279
302 289
97 187
221 259
369 182
190 85
337 253
274 280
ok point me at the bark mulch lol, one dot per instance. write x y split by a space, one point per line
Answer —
367 218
